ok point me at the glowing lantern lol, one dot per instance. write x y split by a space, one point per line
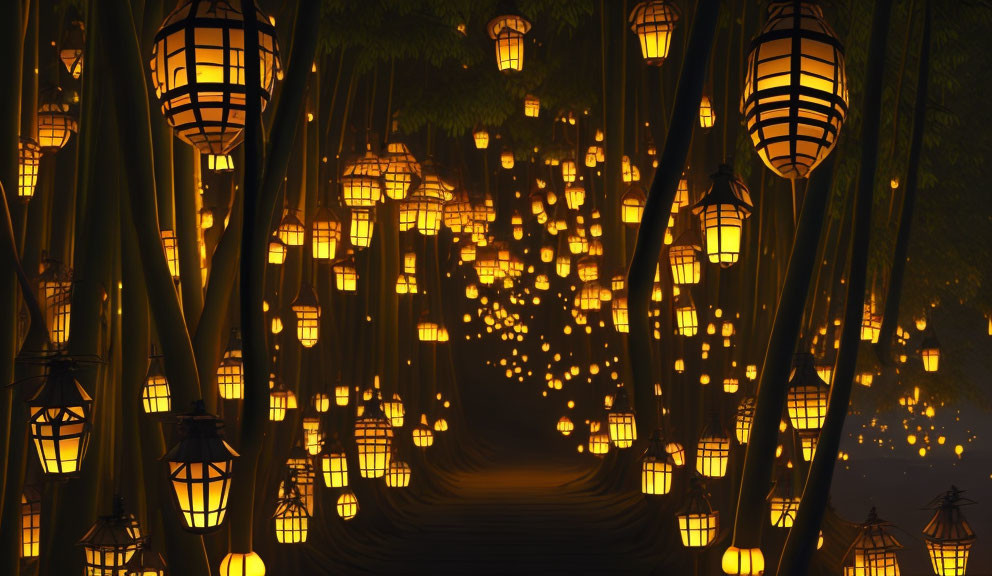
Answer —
71 48
721 213
394 411
532 106
278 402
481 138
362 226
871 324
713 450
656 468
326 235
345 276
373 436
568 171
146 562
743 419
55 123
360 186
276 254
707 115
200 470
506 159
237 564
423 437
654 21
30 533
620 314
58 421
198 81
307 311
291 517
55 295
623 428
291 230
683 260
948 535
807 442
347 505
743 561
795 91
783 504
230 379
28 162
930 352
875 548
685 315
220 163
565 426
807 395
398 475
334 467
508 32
399 171
575 196
698 522
632 205
599 442
110 542
155 395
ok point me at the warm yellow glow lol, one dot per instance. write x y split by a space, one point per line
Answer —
334 467
783 511
481 138
30 532
656 476
712 454
508 32
532 106
235 564
743 562
654 21
155 395
347 505
398 475
707 115
698 530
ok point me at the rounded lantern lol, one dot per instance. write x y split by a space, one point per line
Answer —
238 564
795 91
743 561
656 468
698 522
400 169
198 72
110 543
481 138
326 235
948 535
146 562
807 396
683 259
565 426
360 186
373 437
347 505
623 427
59 421
713 450
291 517
654 21
155 395
632 205
423 437
307 311
508 33
398 475
200 470
55 123
721 214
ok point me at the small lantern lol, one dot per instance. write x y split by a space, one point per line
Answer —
198 82
373 436
237 564
506 159
698 522
532 106
292 521
400 169
685 315
568 171
28 162
599 442
807 395
620 314
707 116
807 442
347 505
71 48
930 351
155 395
326 235
362 226
394 411
783 504
58 421
30 532
795 90
334 467
276 254
481 138
721 213
656 468
871 324
575 196
291 230
307 311
346 276
683 259
200 470
398 475
623 428
111 541
565 426
654 21
743 419
55 124
632 205
55 294
278 400
146 562
713 450
230 379
875 548
508 32
423 437
948 535
220 163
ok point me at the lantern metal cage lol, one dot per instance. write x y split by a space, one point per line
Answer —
400 171
930 351
291 518
743 418
360 187
795 91
508 32
55 123
302 475
291 231
697 520
807 396
346 276
712 450
230 379
783 504
28 163
71 47
685 315
949 537
621 420
334 467
59 421
156 397
398 475
111 542
620 313
200 470
307 311
875 548
423 436
198 71
373 437
654 22
325 235
682 256
394 410
55 295
707 115
146 562
656 467
347 505
276 253
632 205
362 227
30 532
722 212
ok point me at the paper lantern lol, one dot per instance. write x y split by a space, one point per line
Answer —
795 91
59 421
198 73
508 32
200 470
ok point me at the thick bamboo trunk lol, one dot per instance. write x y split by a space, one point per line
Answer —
651 234
802 539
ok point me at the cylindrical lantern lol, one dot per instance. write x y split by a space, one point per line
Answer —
698 522
654 21
656 467
325 234
30 533
292 520
400 170
334 467
875 548
795 90
807 396
398 475
721 214
683 259
307 311
508 32
622 425
707 115
347 505
930 351
373 437
713 450
28 162
198 72
155 395
200 470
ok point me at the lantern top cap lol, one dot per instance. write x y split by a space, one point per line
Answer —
503 22
804 372
697 500
727 188
145 560
653 12
874 536
305 298
201 436
114 530
61 389
621 400
948 524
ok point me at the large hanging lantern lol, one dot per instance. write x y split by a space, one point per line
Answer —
200 470
875 548
508 32
156 397
110 542
721 214
373 437
683 259
623 427
713 450
59 421
795 92
55 124
948 535
656 468
807 396
654 21
698 521
307 311
198 71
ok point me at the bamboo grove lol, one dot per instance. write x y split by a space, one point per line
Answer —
256 253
